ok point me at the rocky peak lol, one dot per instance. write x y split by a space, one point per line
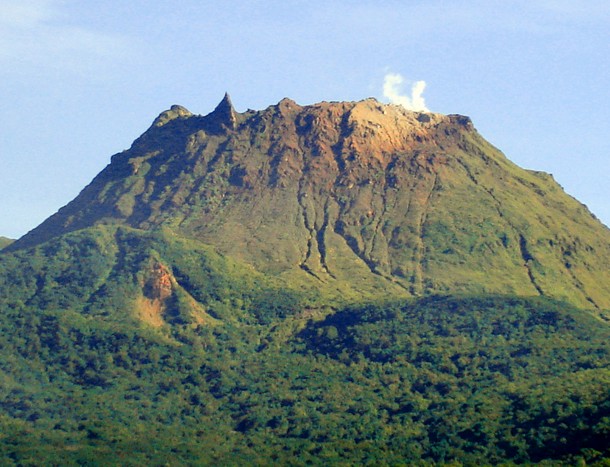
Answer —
224 114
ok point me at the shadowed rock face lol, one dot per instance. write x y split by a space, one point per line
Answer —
344 192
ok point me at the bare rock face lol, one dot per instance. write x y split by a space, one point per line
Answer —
159 284
345 193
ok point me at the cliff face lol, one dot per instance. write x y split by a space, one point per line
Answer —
341 194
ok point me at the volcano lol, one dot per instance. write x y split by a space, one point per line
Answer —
357 197
344 283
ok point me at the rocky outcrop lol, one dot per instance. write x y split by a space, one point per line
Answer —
152 306
159 283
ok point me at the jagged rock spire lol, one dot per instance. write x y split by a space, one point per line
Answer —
224 113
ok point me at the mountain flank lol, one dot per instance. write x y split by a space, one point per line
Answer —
340 194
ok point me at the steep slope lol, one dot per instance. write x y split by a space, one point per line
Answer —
350 193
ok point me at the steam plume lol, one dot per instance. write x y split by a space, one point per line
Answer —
392 84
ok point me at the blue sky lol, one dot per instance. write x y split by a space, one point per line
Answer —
81 80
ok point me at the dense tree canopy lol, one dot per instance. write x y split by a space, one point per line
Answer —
466 380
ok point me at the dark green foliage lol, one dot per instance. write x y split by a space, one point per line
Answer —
275 376
48 277
511 373
473 380
465 327
270 304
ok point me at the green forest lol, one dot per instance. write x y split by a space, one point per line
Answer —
280 375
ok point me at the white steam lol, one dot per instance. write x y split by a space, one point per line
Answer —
392 84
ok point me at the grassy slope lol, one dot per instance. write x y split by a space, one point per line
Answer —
5 242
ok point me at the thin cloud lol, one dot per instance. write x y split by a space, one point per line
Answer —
577 10
24 13
32 34
392 88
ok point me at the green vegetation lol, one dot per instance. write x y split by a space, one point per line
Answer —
114 268
274 375
4 242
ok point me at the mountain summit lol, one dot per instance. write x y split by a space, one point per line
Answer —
348 194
